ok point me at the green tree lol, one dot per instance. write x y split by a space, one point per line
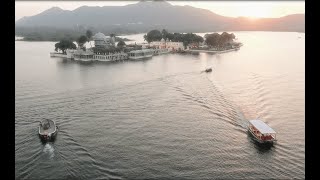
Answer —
145 37
64 44
121 44
154 35
81 41
89 36
186 38
219 41
106 50
199 39
224 38
164 34
177 37
113 38
212 40
170 36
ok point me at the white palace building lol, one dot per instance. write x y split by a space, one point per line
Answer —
171 46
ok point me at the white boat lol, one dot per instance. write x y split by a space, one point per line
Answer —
161 51
56 54
47 130
141 54
261 131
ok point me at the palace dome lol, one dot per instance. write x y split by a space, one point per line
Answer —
99 36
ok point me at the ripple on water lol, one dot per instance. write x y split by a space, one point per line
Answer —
161 118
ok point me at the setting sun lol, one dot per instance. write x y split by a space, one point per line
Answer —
255 11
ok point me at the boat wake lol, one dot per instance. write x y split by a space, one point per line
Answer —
49 150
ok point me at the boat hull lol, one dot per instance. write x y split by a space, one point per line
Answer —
47 130
48 137
256 138
140 57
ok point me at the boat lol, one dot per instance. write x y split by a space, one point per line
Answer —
261 131
141 54
161 51
208 70
47 130
56 54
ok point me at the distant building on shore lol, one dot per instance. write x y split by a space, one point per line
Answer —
173 46
102 41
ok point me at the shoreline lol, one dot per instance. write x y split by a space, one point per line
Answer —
213 51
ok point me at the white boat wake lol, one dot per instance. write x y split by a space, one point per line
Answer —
48 149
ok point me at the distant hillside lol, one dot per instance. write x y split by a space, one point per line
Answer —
144 16
294 22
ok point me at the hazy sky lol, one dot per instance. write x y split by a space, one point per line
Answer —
225 8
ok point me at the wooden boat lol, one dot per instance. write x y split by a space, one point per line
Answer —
47 130
261 131
208 70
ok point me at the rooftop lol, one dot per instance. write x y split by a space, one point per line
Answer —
99 36
261 126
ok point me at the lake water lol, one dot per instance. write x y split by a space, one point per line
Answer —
162 118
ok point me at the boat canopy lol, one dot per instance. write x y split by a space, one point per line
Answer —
262 127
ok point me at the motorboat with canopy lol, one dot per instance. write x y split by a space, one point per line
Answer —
47 130
261 131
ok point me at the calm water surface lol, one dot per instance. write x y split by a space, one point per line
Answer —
162 118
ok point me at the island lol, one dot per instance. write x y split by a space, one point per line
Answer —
157 43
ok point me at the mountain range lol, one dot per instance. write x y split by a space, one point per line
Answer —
144 16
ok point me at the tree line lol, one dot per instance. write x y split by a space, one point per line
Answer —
212 40
65 43
219 41
156 35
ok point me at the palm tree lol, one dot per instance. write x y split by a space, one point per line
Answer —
89 36
121 44
81 41
112 36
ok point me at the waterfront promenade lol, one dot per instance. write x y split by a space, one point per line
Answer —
212 51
